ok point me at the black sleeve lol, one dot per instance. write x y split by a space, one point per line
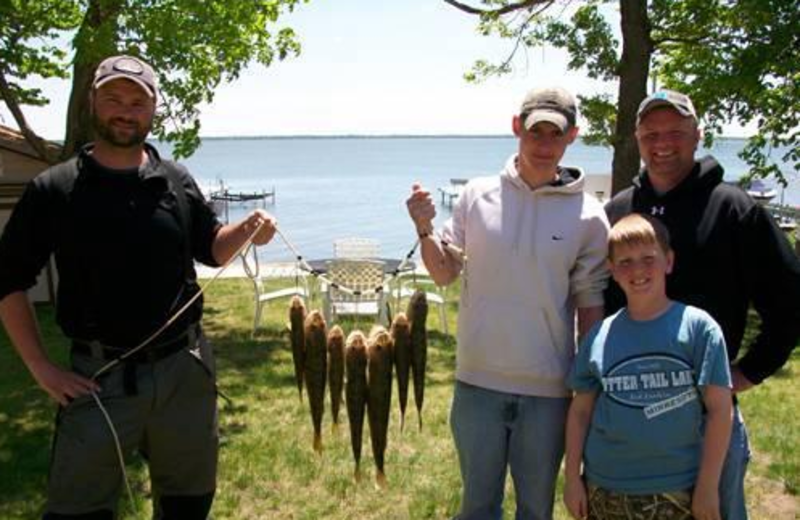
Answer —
616 208
772 276
613 297
205 223
28 240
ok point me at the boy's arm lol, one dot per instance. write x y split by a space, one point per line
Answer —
578 420
719 417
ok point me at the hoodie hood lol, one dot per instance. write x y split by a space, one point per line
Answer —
570 179
569 182
706 173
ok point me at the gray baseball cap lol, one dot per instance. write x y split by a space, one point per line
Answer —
127 67
667 98
552 105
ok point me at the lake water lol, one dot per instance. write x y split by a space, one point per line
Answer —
334 187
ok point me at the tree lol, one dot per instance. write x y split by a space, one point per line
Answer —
28 48
736 59
193 46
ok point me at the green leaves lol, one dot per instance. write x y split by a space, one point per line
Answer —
601 113
29 43
193 46
738 61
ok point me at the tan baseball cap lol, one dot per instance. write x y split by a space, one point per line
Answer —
553 105
127 67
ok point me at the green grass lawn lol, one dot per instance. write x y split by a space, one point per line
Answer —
267 466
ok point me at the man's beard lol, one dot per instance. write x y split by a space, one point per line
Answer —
131 139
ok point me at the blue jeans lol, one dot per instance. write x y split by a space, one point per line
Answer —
494 431
731 483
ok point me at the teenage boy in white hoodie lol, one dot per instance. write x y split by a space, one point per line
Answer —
535 248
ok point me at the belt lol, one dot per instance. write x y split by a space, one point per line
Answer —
148 354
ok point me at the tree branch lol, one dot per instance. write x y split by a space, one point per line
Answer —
524 4
521 31
659 41
37 143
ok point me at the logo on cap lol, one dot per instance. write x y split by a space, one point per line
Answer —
666 98
127 67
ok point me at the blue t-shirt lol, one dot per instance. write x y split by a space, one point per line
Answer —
646 432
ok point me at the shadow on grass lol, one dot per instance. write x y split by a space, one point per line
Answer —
246 364
26 425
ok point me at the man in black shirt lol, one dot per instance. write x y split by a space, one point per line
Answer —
730 255
125 228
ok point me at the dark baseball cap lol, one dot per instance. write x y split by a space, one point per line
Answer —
667 98
126 67
552 105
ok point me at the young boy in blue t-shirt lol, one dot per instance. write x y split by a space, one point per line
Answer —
651 415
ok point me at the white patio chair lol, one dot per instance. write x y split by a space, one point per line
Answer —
354 290
408 282
355 247
263 296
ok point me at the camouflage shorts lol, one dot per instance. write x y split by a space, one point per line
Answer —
609 505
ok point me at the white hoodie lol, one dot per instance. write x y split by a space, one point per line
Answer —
533 256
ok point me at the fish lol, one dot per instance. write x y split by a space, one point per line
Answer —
316 361
355 392
418 314
297 317
379 395
336 370
401 336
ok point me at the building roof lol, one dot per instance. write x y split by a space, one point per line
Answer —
13 140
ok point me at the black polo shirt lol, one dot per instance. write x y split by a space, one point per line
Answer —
119 247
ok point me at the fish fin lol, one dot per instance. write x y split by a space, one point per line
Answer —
380 480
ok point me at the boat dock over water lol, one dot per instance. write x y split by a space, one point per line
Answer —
787 217
451 193
222 196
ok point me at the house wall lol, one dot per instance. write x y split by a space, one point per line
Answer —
16 169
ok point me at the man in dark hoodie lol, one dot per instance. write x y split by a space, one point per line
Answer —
730 254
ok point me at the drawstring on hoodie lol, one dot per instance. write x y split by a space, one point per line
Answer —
568 180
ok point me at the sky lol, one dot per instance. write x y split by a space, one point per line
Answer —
368 67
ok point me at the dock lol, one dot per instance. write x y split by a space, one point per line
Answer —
787 217
450 194
238 196
222 197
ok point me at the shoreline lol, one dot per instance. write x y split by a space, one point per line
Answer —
236 270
